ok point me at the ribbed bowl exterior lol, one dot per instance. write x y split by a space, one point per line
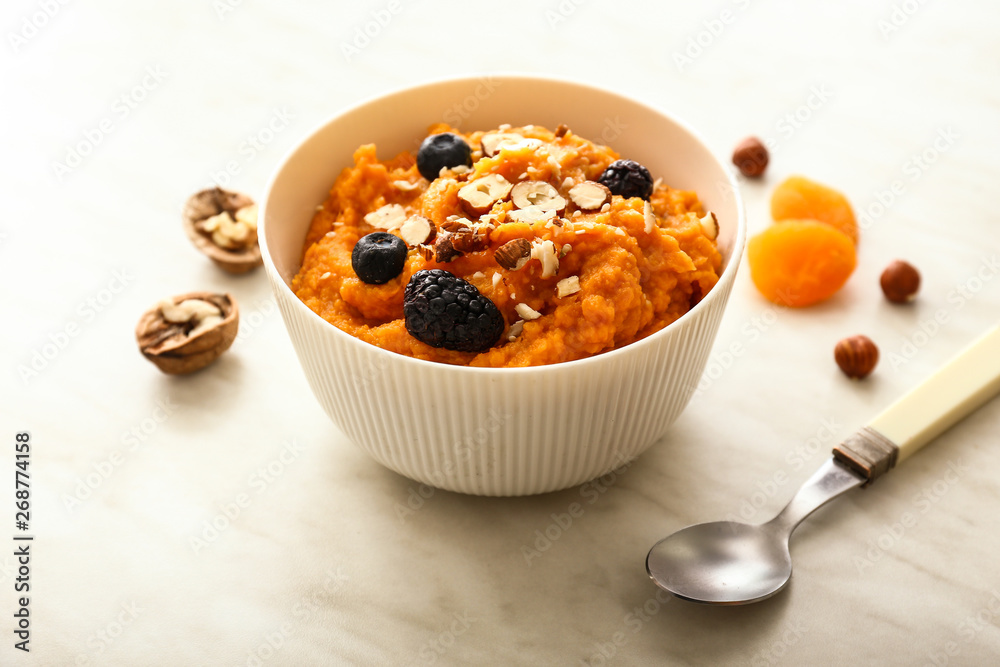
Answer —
508 431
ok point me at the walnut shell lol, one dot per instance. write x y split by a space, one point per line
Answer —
173 350
205 204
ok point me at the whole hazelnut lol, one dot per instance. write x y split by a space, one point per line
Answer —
900 282
751 157
856 356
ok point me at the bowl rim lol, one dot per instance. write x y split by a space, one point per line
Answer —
728 273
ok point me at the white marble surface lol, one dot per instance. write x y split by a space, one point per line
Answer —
320 566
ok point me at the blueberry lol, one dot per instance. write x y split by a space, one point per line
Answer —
443 310
627 178
442 150
378 257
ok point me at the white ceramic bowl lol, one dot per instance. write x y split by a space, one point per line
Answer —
507 431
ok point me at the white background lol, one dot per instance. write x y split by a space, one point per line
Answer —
321 566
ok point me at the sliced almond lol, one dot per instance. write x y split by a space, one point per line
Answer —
647 214
568 286
479 196
546 253
513 255
388 217
531 214
590 195
710 224
537 193
526 312
416 230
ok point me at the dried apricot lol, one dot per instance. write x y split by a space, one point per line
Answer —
800 262
799 198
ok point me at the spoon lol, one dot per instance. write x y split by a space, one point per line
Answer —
731 563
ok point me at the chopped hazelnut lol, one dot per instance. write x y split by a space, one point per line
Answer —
537 193
590 195
514 254
479 196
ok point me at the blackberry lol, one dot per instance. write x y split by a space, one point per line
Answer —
442 150
627 178
378 257
443 310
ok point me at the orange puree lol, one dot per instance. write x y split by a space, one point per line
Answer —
632 282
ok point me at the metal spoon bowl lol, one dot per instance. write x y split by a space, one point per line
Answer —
728 562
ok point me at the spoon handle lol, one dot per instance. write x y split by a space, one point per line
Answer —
951 393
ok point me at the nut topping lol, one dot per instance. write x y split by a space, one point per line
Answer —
444 249
388 217
223 225
537 193
900 282
561 130
513 255
493 143
546 253
710 224
750 157
185 333
526 312
590 195
416 230
647 214
856 356
479 196
471 240
531 214
568 286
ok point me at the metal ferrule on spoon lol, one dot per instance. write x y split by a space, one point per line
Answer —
733 563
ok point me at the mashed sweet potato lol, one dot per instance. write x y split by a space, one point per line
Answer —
639 268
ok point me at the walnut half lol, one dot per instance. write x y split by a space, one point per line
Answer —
223 225
185 333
